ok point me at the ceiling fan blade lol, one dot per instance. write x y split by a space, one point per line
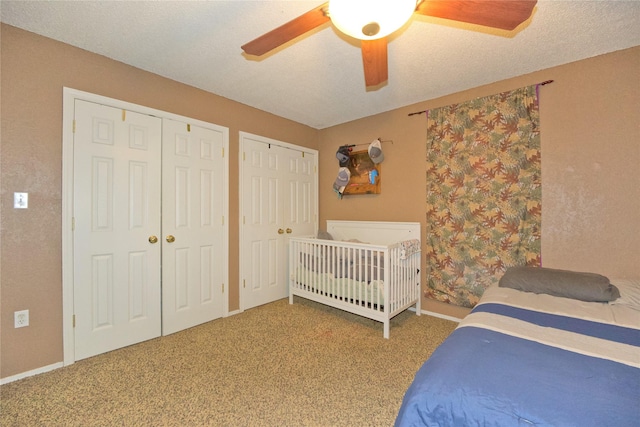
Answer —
374 59
503 14
287 32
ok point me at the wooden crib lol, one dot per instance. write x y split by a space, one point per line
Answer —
369 268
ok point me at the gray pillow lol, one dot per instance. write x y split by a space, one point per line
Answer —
324 235
589 287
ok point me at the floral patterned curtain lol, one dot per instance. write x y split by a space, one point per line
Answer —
483 193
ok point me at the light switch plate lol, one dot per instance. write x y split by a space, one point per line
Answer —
20 200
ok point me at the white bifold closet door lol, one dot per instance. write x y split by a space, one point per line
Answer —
279 200
148 227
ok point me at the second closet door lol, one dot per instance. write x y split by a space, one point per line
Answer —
279 200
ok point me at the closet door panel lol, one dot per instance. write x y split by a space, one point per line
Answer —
116 288
262 279
192 224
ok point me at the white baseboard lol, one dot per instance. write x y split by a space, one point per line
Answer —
31 373
234 312
434 314
441 316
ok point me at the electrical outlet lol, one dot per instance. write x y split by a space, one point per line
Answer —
21 318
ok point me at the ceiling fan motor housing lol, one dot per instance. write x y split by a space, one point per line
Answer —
371 29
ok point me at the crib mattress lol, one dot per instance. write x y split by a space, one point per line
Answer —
342 288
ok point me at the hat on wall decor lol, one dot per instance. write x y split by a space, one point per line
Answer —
343 155
344 175
375 151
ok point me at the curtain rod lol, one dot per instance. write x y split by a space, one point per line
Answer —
546 82
382 141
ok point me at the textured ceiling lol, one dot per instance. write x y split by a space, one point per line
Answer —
317 79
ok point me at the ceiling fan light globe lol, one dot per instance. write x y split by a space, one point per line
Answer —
359 18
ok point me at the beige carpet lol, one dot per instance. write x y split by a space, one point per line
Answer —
276 365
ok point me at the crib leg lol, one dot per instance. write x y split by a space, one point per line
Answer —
386 329
290 298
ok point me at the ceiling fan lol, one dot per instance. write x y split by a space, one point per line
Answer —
370 28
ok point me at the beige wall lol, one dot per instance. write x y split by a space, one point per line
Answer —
34 71
590 137
590 146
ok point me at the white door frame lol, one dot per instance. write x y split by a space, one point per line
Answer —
241 235
68 99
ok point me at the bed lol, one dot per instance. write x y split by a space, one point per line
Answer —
522 358
369 268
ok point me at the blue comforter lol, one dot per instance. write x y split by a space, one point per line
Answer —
483 376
